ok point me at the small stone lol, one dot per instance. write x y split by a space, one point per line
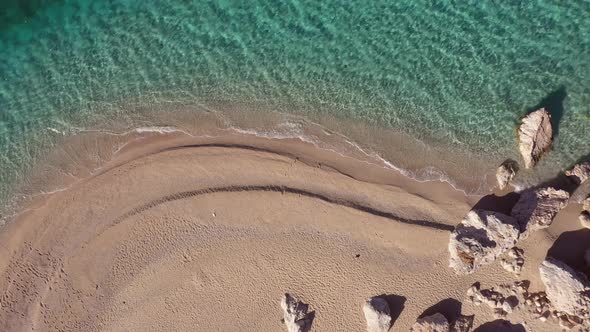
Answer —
462 324
506 172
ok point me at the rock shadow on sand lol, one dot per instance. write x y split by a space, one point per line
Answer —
570 248
500 325
450 308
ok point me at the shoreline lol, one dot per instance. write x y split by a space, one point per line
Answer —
280 206
78 155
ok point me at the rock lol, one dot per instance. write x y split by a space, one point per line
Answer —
500 304
536 208
434 323
514 262
480 238
462 324
506 173
295 314
377 314
566 288
535 136
587 204
579 173
585 218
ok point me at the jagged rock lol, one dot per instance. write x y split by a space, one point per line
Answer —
433 323
579 173
480 238
462 324
567 289
501 304
585 218
514 262
506 173
295 314
536 208
377 314
535 136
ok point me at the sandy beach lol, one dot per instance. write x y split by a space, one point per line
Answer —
207 234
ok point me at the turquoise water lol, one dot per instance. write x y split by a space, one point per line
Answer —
459 73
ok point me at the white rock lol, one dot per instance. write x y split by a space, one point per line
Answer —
434 323
579 173
587 204
566 288
535 135
479 239
585 219
536 208
506 172
295 314
377 314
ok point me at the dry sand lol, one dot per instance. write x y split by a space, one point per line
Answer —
207 234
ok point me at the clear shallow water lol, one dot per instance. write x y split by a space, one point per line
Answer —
457 75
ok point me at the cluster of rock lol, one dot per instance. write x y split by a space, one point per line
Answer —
501 304
377 315
514 262
439 323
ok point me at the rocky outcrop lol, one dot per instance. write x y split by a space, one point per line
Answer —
536 208
567 289
535 135
506 172
434 323
295 315
480 238
579 173
377 315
